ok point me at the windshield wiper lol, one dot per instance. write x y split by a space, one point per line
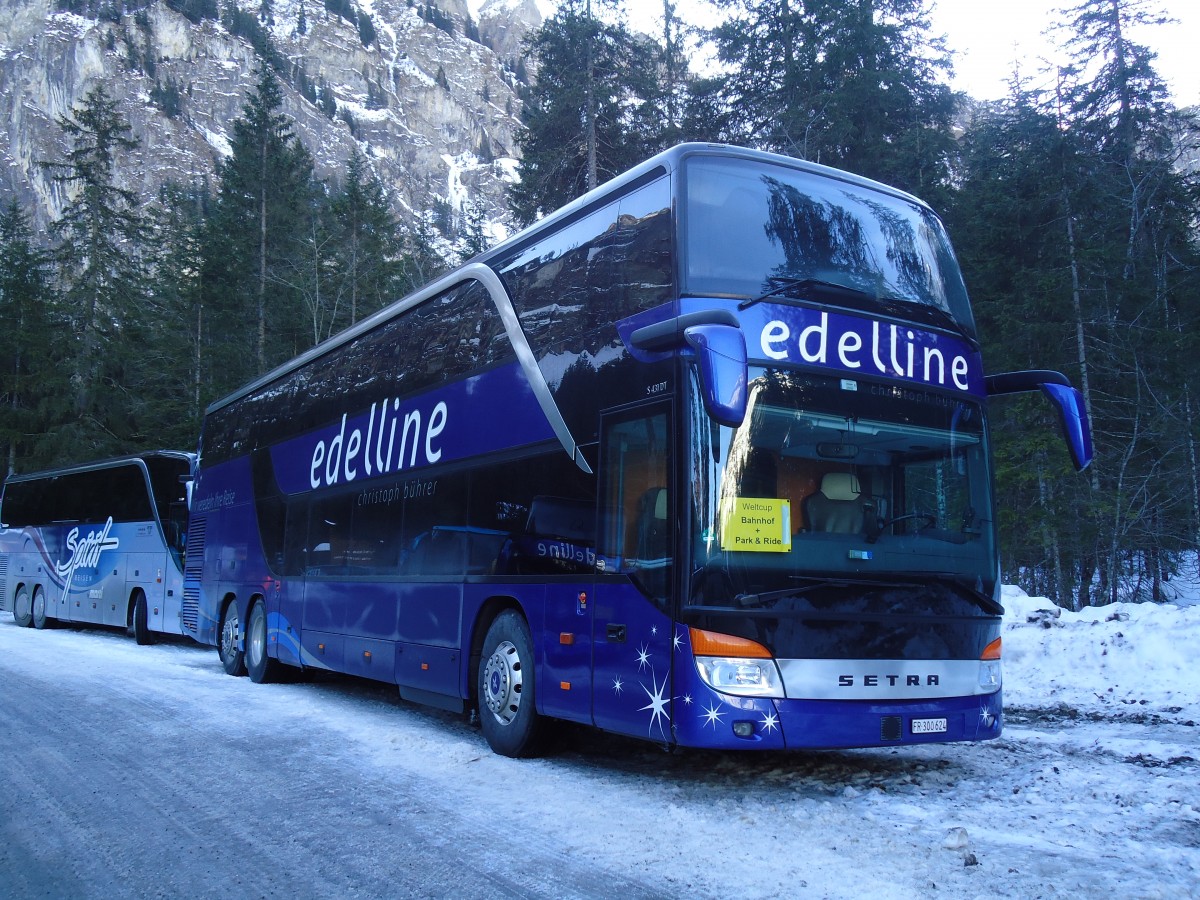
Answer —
978 597
768 598
788 284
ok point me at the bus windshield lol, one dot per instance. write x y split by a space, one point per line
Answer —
848 481
753 228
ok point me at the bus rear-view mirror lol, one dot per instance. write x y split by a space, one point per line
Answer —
1073 418
721 354
1067 401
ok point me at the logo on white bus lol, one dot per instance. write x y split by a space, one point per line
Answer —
85 552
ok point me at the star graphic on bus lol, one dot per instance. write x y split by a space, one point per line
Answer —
687 699
677 641
712 715
770 722
643 657
657 705
618 686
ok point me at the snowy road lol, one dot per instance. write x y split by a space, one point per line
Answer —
146 771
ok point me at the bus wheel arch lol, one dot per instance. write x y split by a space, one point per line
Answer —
229 639
137 621
491 608
505 686
23 606
261 667
37 609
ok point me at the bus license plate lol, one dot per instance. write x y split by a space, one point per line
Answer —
928 726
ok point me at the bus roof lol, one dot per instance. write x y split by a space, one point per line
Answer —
103 464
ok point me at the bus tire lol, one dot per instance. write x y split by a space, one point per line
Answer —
138 619
232 658
262 668
37 610
22 607
505 686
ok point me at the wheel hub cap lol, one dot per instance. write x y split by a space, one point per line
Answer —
503 681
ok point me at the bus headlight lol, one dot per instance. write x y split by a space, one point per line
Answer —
735 665
745 677
990 674
990 677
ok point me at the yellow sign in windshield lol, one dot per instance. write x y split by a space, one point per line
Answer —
757 525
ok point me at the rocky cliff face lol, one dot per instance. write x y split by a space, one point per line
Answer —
426 100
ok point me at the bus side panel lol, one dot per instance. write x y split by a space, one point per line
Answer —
233 561
91 588
167 615
563 635
322 612
631 675
429 613
428 622
369 658
152 572
7 545
28 566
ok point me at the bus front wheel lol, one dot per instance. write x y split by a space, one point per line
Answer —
232 657
22 607
507 715
262 668
138 621
37 612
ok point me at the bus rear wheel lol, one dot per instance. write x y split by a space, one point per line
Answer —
37 611
138 621
262 668
507 715
22 608
231 655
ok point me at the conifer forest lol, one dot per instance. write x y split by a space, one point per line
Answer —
1071 205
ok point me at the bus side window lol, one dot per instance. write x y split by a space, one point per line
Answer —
636 529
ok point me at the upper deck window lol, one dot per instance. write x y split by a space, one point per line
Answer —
752 227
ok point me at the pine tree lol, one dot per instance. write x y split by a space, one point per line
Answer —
1131 216
475 237
169 368
586 117
28 389
255 238
1072 224
419 262
1007 222
99 251
367 239
849 83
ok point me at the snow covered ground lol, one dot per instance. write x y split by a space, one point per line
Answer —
1093 790
1123 659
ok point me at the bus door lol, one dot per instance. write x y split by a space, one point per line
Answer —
632 632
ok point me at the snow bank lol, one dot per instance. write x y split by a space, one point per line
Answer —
1131 658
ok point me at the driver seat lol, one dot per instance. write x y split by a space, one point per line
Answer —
837 507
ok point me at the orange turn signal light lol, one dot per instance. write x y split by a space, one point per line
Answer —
713 643
992 650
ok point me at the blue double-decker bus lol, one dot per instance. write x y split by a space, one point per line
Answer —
701 458
98 543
